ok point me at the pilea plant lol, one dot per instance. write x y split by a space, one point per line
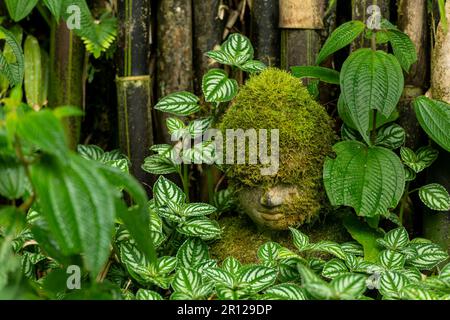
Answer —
218 88
366 174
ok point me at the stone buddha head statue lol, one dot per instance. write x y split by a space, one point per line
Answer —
292 195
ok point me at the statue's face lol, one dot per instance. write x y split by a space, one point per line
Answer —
272 207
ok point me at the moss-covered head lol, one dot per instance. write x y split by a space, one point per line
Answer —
276 100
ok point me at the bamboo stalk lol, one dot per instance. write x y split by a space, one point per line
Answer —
265 32
66 76
301 22
134 83
174 55
412 19
207 33
437 224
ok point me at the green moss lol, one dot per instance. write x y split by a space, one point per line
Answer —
274 99
241 238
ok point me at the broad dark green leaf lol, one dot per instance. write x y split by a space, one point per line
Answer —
12 181
434 118
370 80
77 202
341 37
369 179
19 9
44 130
321 73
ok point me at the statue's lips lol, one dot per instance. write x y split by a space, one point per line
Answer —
269 215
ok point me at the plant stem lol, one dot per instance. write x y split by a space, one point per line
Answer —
24 207
403 202
185 180
210 181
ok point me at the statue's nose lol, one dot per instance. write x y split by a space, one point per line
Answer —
271 199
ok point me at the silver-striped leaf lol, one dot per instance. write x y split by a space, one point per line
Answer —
179 103
435 197
217 87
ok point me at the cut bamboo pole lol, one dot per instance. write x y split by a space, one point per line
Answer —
174 55
412 19
265 34
207 31
134 83
67 63
437 224
301 22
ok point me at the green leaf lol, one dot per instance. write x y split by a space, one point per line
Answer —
349 286
135 218
224 200
370 80
198 127
45 131
301 240
231 265
334 268
220 56
55 7
253 66
340 38
392 283
19 9
189 282
179 103
13 70
403 47
424 158
435 196
285 291
415 292
33 73
323 74
369 179
328 247
381 120
97 35
314 285
352 248
192 252
392 260
203 228
429 255
443 15
268 252
365 235
166 192
157 164
75 200
143 294
434 118
221 277
217 87
200 153
13 179
174 125
391 136
396 239
239 48
256 278
410 175
197 209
